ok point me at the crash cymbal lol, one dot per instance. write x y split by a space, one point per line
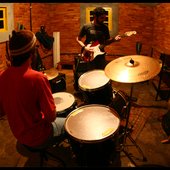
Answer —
133 68
51 73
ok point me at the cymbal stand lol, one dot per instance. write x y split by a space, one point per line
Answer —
126 133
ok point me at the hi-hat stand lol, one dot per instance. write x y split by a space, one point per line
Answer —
127 131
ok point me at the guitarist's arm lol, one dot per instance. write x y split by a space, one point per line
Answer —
111 40
84 47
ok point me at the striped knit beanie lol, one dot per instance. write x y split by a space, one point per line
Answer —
21 42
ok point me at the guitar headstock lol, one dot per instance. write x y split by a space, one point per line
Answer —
129 33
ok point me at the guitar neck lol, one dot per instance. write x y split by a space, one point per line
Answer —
126 34
123 35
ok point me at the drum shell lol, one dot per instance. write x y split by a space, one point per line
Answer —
119 103
102 95
100 90
94 154
91 152
67 111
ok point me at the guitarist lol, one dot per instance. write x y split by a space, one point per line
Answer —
95 33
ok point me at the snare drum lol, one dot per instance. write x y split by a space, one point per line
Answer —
65 103
96 87
92 130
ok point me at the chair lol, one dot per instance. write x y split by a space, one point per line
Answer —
44 153
162 87
166 127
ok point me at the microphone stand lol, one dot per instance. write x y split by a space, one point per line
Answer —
30 16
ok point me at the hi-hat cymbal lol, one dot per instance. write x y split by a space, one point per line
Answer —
51 73
133 68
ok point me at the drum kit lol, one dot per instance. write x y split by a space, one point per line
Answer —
96 123
65 103
132 69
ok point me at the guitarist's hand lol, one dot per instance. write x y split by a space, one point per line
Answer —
117 38
89 49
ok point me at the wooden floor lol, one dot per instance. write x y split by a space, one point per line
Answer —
148 138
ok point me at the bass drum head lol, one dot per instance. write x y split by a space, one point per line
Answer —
92 123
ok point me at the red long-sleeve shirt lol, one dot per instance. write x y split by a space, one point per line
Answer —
26 99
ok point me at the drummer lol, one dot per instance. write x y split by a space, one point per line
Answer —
94 32
26 96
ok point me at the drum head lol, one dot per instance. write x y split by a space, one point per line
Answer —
93 79
92 123
63 100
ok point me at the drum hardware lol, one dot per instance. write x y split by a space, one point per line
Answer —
95 87
91 130
132 69
127 134
65 103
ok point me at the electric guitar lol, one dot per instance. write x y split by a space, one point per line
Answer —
89 56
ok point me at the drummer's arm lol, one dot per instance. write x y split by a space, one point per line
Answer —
50 116
46 101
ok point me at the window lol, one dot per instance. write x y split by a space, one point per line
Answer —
3 19
6 21
108 22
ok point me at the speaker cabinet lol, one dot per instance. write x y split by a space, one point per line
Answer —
59 83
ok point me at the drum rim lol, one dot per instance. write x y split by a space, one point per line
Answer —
93 89
88 105
92 141
67 109
59 112
62 92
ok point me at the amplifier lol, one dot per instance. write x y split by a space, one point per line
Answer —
58 83
80 68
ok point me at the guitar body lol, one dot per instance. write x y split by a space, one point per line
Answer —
89 56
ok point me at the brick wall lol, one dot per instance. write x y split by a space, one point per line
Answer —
151 23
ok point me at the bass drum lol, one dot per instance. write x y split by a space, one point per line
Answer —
92 131
65 103
96 87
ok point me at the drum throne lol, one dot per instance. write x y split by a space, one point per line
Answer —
45 154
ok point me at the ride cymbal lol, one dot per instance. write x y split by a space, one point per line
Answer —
133 68
51 73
